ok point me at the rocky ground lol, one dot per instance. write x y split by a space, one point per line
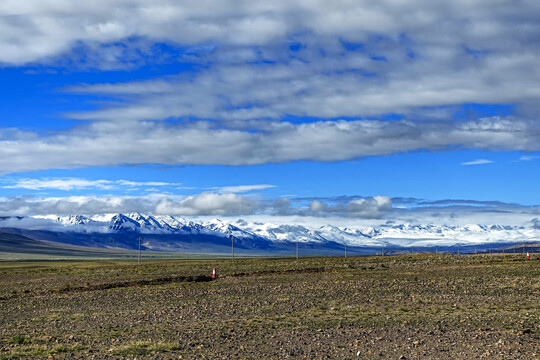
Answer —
405 307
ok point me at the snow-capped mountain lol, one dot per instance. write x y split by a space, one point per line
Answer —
74 220
249 231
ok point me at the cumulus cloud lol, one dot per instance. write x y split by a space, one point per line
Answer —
209 204
370 208
84 205
283 207
201 204
347 206
367 209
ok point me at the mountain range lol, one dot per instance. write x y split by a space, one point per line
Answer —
177 234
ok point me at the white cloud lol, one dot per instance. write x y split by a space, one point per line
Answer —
439 54
209 204
326 86
423 66
203 204
528 158
34 30
27 206
477 162
367 211
367 208
58 184
67 184
204 143
144 183
31 223
244 188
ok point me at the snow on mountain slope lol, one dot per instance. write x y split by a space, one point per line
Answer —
74 220
227 229
399 234
428 235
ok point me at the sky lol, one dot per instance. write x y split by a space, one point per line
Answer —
387 110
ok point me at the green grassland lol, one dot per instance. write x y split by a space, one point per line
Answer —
414 306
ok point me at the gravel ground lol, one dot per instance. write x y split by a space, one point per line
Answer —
406 307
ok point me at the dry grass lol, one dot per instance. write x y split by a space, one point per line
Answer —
417 306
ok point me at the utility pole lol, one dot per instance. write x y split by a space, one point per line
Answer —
296 248
139 258
345 251
232 246
382 249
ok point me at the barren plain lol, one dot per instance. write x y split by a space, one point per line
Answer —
423 306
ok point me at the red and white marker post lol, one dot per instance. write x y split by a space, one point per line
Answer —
214 273
528 256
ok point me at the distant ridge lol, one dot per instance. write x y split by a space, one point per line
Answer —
172 233
11 243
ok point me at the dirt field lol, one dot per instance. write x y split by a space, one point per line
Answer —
407 307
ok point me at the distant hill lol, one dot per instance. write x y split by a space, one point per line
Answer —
18 244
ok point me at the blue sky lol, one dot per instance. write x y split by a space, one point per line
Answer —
225 108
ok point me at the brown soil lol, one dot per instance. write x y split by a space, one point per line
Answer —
406 307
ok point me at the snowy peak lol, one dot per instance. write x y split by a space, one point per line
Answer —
136 222
145 221
73 220
227 229
122 222
398 234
